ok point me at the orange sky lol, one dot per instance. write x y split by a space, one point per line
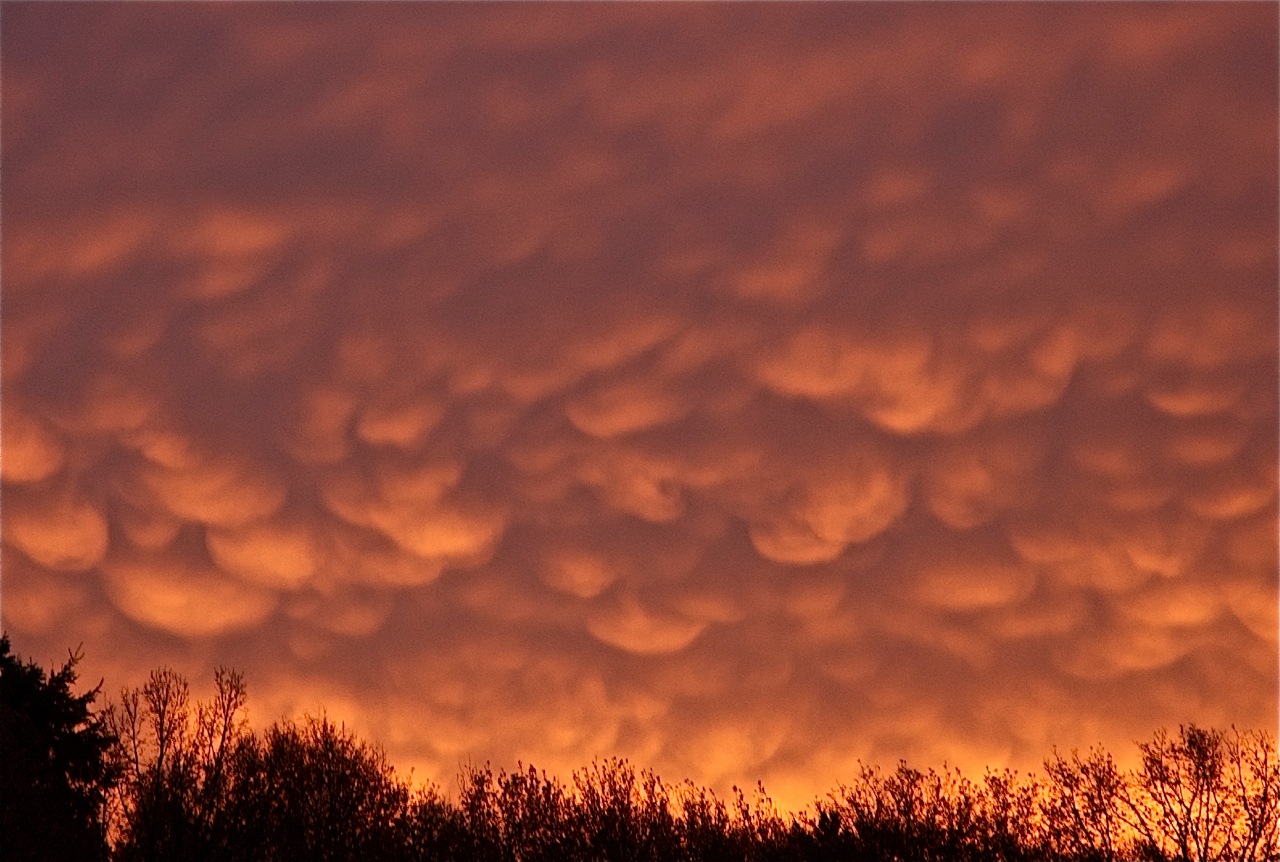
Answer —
741 389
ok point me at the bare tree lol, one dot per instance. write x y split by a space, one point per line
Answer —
1254 775
1081 806
173 762
197 784
1205 795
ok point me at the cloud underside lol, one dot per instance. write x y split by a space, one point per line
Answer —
742 397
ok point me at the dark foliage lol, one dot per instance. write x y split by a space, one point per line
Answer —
193 782
198 785
54 774
311 790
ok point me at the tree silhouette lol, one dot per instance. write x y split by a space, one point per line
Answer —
53 763
1081 810
199 785
1202 795
1206 795
171 800
196 783
914 815
312 790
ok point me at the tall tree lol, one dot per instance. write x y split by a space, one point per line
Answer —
171 801
54 770
197 784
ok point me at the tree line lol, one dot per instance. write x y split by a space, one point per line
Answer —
158 776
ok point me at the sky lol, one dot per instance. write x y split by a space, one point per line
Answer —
744 390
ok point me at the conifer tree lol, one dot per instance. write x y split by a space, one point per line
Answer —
54 769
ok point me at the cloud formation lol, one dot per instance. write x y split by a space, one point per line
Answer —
741 391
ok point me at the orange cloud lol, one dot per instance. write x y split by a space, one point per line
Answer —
631 627
31 450
270 554
695 380
179 598
58 530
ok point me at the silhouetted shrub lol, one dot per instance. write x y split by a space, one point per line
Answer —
197 784
312 790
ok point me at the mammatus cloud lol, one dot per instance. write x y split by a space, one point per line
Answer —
743 396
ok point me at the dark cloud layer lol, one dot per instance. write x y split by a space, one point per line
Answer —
744 389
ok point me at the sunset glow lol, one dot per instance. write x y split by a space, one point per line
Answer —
743 389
